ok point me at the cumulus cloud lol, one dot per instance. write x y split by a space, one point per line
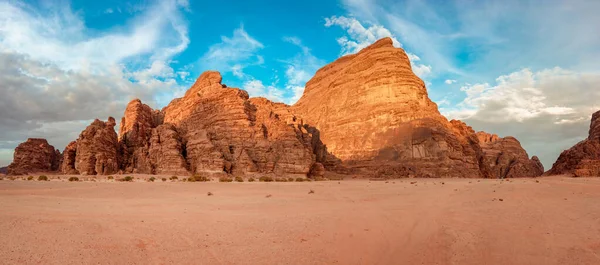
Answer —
233 54
547 110
54 90
256 88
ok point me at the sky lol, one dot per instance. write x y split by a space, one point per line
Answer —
527 69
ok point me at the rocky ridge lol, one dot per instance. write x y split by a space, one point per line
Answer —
364 114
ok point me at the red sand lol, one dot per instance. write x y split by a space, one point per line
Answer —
555 221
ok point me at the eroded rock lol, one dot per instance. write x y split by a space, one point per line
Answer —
33 156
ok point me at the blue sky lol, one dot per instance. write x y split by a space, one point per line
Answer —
522 68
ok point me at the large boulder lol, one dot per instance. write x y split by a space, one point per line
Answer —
33 156
375 115
583 159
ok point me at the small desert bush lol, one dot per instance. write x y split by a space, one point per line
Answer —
152 179
311 192
198 178
225 179
280 180
290 179
164 179
209 193
173 178
239 179
111 177
190 179
251 180
299 179
127 179
42 178
73 179
30 178
320 179
265 179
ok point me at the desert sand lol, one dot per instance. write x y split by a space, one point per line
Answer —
411 221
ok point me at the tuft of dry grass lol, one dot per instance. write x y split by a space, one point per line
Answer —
299 179
209 194
311 192
251 180
239 179
268 196
42 178
152 179
73 179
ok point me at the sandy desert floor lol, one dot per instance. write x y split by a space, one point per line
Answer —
463 221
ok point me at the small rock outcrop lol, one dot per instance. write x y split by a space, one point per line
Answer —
583 159
34 155
95 151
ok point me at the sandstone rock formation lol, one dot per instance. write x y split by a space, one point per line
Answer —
583 159
34 155
214 129
4 170
365 114
506 158
95 151
374 113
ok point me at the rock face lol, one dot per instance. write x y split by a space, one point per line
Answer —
583 159
134 136
214 129
34 155
506 158
95 151
374 114
4 170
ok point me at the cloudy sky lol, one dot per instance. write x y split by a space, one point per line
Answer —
523 68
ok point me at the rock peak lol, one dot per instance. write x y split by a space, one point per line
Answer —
594 133
381 43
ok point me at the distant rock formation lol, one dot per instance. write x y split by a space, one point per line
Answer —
583 159
96 151
34 155
506 158
374 114
4 170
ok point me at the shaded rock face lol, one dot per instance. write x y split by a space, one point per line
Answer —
69 157
4 170
34 155
96 151
583 159
375 115
506 158
134 137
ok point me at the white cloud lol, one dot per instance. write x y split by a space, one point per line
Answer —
56 76
299 70
450 81
256 88
547 110
233 54
360 37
